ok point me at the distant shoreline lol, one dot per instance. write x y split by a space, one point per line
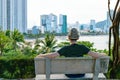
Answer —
80 35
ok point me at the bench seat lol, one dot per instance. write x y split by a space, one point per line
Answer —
51 67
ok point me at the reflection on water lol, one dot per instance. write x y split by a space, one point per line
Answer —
100 41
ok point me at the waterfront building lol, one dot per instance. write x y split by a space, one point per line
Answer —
81 27
101 25
42 29
84 27
53 21
49 22
13 15
29 31
63 23
58 30
75 25
35 30
43 23
108 22
92 25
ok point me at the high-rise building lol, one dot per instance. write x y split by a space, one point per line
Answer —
13 15
49 22
3 12
35 30
92 24
108 23
63 23
43 23
53 21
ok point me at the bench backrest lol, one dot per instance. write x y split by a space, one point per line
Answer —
71 65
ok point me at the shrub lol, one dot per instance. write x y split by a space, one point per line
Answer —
12 68
86 43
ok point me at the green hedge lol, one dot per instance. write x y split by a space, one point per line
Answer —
15 68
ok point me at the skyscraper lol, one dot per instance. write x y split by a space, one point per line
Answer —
43 19
92 24
3 12
49 22
63 23
13 15
53 20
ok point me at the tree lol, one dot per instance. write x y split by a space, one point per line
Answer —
114 29
4 40
48 44
16 37
8 33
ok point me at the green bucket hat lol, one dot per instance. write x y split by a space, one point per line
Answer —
73 34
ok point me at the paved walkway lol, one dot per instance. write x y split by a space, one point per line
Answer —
60 77
63 77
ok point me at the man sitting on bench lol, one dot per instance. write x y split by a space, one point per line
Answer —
73 50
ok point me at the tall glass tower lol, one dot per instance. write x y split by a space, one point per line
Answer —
63 23
13 15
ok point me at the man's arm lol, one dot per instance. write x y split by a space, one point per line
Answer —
49 55
96 55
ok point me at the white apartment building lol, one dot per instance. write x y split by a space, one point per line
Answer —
13 15
49 22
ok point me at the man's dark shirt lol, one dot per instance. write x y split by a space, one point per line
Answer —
73 50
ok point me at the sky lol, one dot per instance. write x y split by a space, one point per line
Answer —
76 10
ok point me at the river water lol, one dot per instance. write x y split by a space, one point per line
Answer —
100 41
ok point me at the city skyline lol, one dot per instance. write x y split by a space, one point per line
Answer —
81 11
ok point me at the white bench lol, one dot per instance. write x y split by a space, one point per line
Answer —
71 66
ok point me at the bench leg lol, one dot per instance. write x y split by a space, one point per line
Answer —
95 76
47 76
48 68
96 69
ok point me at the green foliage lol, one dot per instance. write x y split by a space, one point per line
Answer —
116 71
8 33
4 40
48 44
17 36
27 51
86 43
37 42
13 53
9 40
61 44
15 68
8 47
30 52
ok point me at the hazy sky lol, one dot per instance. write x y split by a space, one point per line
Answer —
76 10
